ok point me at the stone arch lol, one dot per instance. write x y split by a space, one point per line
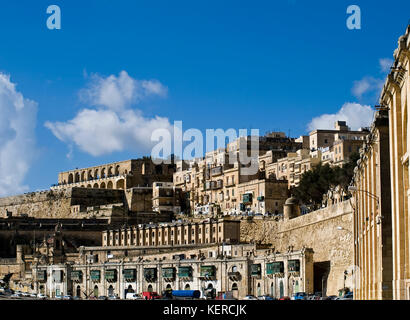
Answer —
103 173
83 176
89 175
70 178
130 289
102 185
77 177
96 174
110 171
117 170
89 186
95 185
234 286
234 268
168 286
110 290
109 185
95 291
78 291
187 287
150 289
119 184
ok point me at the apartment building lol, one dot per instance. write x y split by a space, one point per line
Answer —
217 183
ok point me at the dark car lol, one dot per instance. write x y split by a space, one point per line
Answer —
348 296
102 298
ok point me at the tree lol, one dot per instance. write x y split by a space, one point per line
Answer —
318 181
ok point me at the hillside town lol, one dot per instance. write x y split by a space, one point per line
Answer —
201 228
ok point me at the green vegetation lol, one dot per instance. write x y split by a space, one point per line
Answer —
316 182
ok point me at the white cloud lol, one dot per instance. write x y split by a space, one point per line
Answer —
385 64
120 92
17 142
113 125
366 85
355 114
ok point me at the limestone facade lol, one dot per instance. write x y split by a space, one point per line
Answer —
239 269
372 215
396 96
178 233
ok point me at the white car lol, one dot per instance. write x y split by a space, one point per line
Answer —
41 296
25 294
33 295
250 298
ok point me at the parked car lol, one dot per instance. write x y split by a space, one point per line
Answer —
266 297
67 297
59 297
331 298
33 295
133 296
113 297
25 294
150 295
284 298
250 297
348 296
102 298
41 296
299 296
16 295
76 298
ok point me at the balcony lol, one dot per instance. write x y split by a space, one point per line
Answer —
111 275
168 274
216 171
234 276
76 276
185 273
208 273
130 275
95 275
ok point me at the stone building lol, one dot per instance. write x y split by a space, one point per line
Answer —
218 183
395 97
238 269
372 215
117 175
175 233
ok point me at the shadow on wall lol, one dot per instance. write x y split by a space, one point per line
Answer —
320 275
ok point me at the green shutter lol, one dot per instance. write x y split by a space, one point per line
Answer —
95 275
247 198
274 267
168 273
76 275
294 265
256 269
185 272
111 275
208 271
130 274
150 273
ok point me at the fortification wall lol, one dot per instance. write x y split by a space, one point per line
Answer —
57 203
327 231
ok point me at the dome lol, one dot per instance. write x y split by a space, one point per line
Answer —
292 200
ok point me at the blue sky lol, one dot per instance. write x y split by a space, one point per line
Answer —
271 65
